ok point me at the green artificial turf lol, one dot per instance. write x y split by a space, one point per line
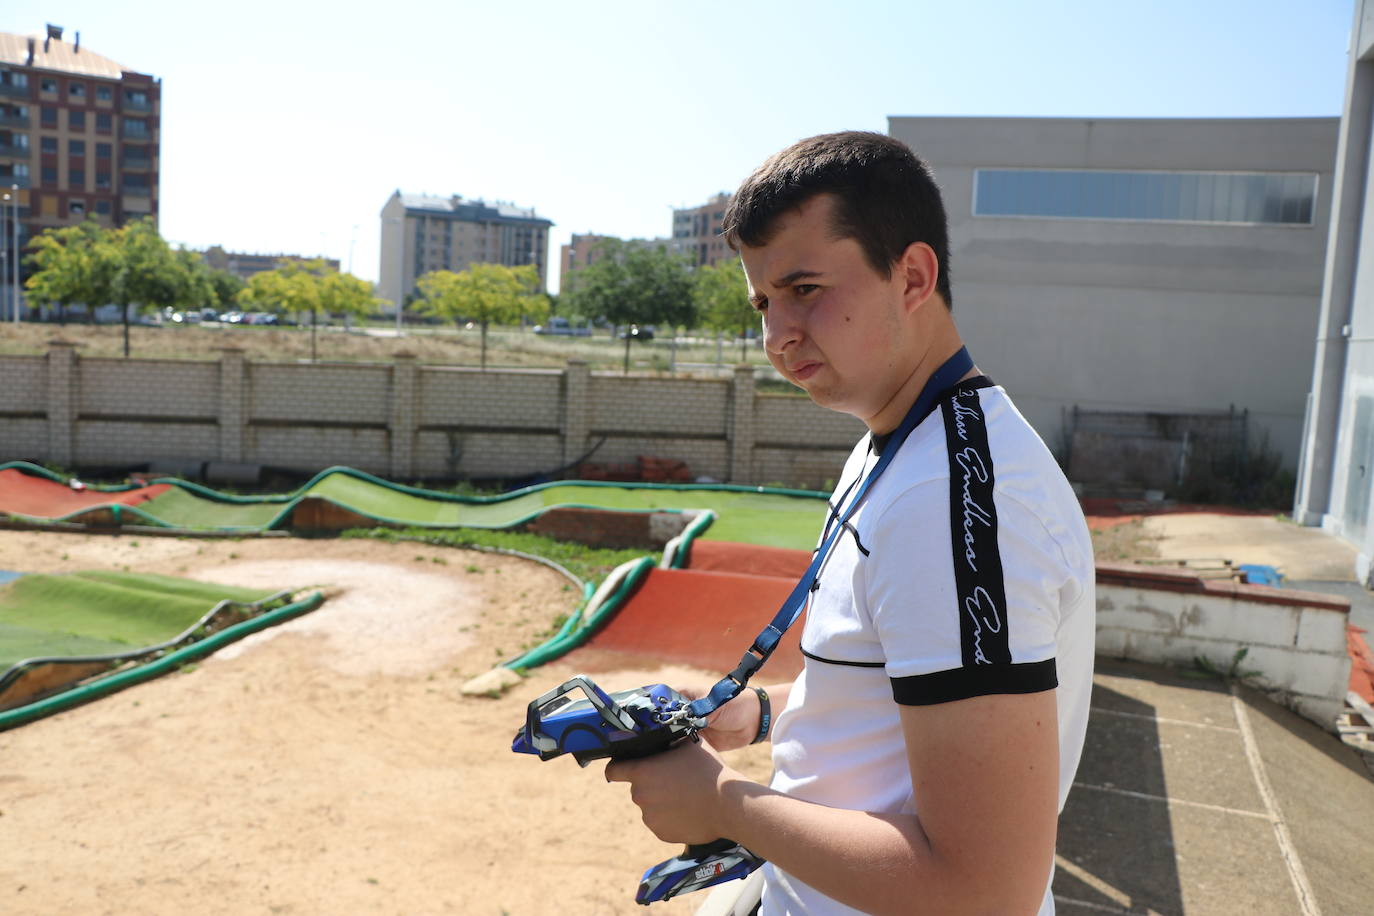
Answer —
102 612
184 509
20 643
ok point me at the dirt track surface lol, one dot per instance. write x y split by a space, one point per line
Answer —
329 764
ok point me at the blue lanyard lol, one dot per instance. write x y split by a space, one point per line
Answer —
954 369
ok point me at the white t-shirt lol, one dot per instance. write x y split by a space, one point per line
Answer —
973 513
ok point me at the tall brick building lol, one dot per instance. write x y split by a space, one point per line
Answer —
79 134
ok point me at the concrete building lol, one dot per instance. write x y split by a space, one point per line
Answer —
1143 267
244 265
1336 474
583 251
696 231
79 134
421 233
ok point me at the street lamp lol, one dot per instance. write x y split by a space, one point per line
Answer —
4 249
14 240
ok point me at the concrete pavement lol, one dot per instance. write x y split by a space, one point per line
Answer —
1200 797
1197 796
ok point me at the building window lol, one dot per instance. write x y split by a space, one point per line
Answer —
102 207
102 181
48 144
103 94
76 89
48 85
49 175
136 98
76 179
14 79
135 182
1206 197
102 151
49 117
76 147
135 127
76 207
103 122
76 120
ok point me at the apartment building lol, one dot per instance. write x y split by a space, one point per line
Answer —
421 233
79 134
696 231
244 265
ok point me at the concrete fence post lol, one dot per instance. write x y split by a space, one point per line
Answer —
577 409
232 395
742 426
64 394
404 410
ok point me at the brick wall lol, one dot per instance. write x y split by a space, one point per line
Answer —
23 406
406 421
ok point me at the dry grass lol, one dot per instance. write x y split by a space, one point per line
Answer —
1125 542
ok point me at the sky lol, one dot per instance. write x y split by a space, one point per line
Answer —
286 126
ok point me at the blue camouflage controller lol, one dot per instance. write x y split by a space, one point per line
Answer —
632 723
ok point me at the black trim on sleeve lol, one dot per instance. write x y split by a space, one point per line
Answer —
975 681
831 661
981 593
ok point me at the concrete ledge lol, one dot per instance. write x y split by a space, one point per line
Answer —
1295 641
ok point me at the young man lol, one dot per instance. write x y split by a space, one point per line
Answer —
923 755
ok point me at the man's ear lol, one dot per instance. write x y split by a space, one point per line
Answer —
919 269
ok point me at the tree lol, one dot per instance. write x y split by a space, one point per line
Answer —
132 267
64 264
484 293
141 271
635 284
308 286
226 288
722 297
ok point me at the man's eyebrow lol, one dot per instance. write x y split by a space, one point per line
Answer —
796 275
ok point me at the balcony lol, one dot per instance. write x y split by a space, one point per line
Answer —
12 120
141 107
138 163
136 192
13 181
10 151
15 92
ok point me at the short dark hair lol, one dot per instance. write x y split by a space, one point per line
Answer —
886 197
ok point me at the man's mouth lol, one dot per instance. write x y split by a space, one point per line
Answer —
804 370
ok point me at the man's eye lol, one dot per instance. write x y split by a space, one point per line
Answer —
805 289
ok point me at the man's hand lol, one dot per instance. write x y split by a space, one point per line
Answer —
677 791
735 724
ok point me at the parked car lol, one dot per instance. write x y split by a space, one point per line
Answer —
635 332
562 327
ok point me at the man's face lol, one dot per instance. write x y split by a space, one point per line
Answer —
832 325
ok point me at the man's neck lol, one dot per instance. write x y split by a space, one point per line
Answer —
941 348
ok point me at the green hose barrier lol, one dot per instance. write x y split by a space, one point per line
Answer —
121 679
621 583
678 549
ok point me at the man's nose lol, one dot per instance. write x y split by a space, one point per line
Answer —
780 328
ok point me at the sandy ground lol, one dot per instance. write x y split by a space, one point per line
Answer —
328 765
